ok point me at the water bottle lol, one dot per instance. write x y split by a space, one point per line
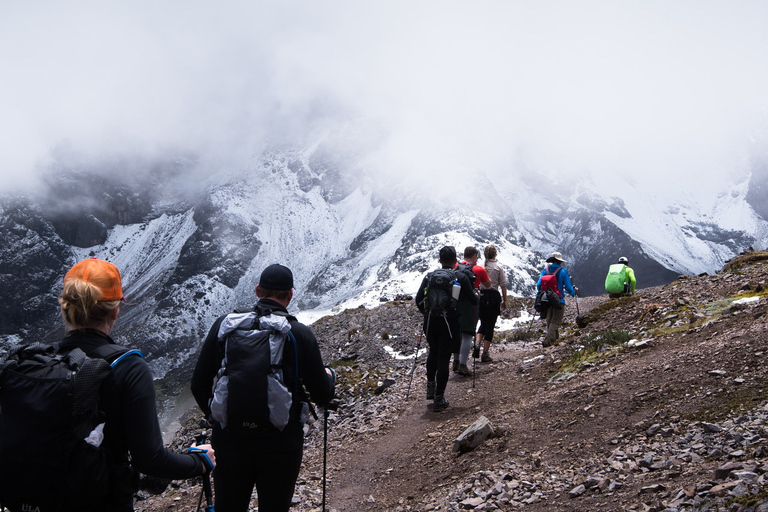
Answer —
455 290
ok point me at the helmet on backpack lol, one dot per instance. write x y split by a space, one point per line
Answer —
624 260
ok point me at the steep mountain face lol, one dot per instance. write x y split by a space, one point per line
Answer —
192 249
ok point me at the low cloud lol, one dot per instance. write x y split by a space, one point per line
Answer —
647 89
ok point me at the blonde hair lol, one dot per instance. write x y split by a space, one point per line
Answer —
81 304
490 252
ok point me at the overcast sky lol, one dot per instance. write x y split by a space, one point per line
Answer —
647 88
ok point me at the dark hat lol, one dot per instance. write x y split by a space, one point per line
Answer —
276 277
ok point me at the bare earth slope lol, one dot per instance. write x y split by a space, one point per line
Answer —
674 419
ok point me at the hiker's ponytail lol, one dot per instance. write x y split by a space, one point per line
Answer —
81 304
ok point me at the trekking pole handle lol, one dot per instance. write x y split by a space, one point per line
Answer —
200 439
203 454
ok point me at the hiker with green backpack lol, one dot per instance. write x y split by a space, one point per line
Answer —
78 419
620 280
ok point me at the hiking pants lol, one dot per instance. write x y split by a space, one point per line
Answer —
554 319
239 467
441 340
489 313
487 324
466 346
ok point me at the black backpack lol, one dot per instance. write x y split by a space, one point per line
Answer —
438 299
467 270
48 413
252 397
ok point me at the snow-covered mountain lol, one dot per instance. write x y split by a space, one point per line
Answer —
191 240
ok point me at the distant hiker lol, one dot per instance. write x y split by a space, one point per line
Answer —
492 303
620 280
437 299
468 312
555 276
264 359
78 419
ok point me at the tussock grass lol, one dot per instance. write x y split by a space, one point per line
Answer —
744 260
599 311
593 348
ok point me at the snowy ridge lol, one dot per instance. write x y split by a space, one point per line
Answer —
186 263
144 253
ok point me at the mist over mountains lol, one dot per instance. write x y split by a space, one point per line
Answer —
191 239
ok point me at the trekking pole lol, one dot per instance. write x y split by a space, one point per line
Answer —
576 296
475 350
413 368
475 347
334 406
530 326
200 439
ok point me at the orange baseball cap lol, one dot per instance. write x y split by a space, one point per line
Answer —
101 274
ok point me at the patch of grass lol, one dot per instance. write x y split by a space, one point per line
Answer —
744 399
356 379
593 348
523 333
748 499
744 260
599 311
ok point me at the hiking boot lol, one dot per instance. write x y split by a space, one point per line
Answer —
440 404
546 343
486 358
463 370
430 390
455 364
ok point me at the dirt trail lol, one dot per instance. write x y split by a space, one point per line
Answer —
414 456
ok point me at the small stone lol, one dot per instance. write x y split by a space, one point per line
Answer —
723 471
471 502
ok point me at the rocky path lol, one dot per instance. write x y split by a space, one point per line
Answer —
674 421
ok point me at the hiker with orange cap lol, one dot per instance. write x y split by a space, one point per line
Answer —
554 275
48 470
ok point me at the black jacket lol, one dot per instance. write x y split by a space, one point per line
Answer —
128 401
311 373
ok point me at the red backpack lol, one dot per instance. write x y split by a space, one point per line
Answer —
549 281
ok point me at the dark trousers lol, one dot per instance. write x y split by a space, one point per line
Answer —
239 468
490 308
443 338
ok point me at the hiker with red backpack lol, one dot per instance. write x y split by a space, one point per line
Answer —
78 419
555 277
468 312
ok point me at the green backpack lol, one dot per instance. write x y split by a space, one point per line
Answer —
617 276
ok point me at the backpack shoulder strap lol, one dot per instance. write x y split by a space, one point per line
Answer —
549 270
113 353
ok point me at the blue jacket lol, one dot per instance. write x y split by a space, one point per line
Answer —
563 280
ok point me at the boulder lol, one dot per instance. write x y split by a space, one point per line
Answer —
473 436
